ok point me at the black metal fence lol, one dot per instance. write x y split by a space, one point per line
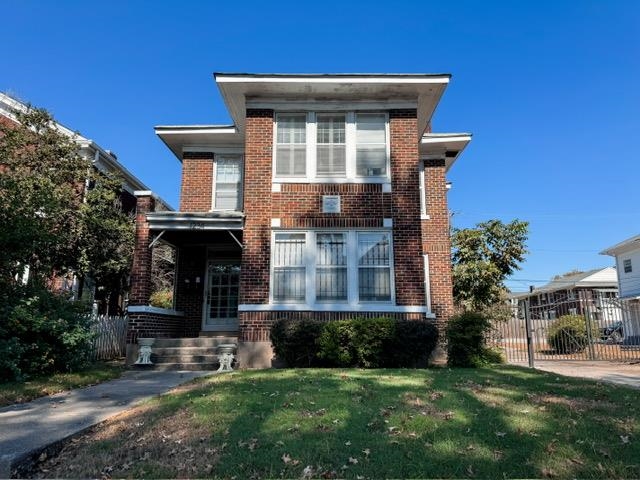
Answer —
110 337
593 325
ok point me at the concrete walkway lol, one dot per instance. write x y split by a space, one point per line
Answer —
27 428
627 374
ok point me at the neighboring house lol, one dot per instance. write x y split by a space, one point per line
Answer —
627 255
104 161
325 199
593 292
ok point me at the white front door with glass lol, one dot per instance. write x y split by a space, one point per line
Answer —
221 296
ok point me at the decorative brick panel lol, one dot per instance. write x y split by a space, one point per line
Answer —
405 184
197 182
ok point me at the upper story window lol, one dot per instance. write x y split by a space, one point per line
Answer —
291 145
328 146
371 150
627 265
227 188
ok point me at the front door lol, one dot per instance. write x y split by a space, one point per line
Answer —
221 296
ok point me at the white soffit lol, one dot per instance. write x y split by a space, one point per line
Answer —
626 246
448 145
425 90
179 137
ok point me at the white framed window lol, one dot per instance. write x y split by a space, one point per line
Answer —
291 145
289 267
371 144
227 183
322 266
331 146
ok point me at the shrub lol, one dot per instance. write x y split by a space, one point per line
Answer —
362 342
40 333
568 334
466 340
296 341
161 299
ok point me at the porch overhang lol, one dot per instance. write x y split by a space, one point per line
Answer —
446 145
184 221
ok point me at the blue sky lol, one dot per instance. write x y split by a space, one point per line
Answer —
550 90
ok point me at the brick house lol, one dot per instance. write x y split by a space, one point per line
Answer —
326 198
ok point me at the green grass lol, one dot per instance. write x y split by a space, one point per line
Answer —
20 392
501 422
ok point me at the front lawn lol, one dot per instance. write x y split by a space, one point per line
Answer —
20 392
486 423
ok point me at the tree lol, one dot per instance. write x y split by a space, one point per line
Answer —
483 257
57 212
41 186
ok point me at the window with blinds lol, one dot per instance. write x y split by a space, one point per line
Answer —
291 145
228 183
371 144
331 149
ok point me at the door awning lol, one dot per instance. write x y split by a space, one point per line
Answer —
194 222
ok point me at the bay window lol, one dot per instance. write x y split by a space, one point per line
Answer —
318 267
318 146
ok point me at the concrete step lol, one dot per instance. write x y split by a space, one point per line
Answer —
184 358
162 351
193 342
184 366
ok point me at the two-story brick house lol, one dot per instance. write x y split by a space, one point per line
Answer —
325 199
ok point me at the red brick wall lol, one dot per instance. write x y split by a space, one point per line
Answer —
197 182
254 276
141 269
435 239
361 205
405 184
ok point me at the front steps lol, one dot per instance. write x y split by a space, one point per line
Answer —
188 353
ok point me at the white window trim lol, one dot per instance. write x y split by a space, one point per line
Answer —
352 303
423 192
217 156
311 150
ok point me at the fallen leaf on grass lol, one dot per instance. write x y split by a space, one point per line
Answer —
624 438
286 458
500 434
498 454
548 472
353 461
366 451
347 443
307 472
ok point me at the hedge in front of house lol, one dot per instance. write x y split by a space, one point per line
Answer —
360 342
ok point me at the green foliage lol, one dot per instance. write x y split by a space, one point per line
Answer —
40 333
466 346
568 334
106 236
161 299
295 341
361 342
41 187
483 257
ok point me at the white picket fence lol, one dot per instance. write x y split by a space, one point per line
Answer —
110 336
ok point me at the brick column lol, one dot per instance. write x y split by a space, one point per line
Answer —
141 271
405 204
436 241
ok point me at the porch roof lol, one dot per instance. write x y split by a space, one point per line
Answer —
195 221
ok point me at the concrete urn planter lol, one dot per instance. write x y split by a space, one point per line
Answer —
226 355
144 354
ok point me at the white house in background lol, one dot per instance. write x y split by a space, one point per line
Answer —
627 255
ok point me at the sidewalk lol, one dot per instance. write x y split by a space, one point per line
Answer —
627 374
27 428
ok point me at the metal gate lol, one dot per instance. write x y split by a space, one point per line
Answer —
590 325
